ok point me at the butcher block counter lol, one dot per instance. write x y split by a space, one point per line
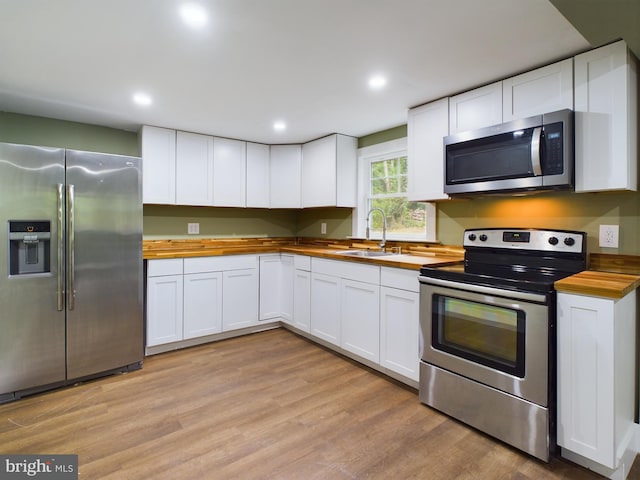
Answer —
413 255
599 284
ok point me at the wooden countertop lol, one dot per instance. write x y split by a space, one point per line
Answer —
599 284
414 259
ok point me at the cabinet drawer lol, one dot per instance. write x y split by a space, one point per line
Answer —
302 262
160 268
222 263
399 278
349 270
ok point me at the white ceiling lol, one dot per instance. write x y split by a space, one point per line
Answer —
305 62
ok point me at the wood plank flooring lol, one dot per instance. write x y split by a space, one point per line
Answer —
271 405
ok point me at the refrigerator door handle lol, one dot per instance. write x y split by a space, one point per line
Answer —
60 276
71 284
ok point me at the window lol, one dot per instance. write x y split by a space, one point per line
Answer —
383 184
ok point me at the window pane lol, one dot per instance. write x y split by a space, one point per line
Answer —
404 218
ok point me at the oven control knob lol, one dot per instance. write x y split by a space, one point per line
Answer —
483 238
553 240
472 237
569 241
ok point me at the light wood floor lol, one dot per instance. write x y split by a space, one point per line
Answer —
265 406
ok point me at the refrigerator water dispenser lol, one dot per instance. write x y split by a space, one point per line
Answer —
29 247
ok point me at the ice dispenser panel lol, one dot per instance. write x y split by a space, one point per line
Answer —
29 247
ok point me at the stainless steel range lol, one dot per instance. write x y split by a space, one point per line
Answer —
488 332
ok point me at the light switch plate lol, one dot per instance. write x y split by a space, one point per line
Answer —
193 228
609 235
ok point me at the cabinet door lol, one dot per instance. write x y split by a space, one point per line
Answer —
159 165
319 172
399 332
270 287
427 126
360 319
194 169
286 288
606 119
164 309
257 175
539 91
285 174
202 304
477 108
302 300
239 299
229 172
585 377
325 307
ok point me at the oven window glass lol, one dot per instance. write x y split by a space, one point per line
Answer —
486 334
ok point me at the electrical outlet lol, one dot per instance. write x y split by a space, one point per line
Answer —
323 228
193 228
609 235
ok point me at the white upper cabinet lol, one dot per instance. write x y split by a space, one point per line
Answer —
229 172
427 125
539 91
606 119
285 176
329 172
257 175
477 108
158 147
194 169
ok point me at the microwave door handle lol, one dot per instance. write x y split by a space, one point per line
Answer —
535 151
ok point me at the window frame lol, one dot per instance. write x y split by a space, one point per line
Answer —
383 151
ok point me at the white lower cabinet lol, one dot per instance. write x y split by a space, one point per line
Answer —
164 301
270 287
202 312
399 322
164 309
360 318
325 307
239 299
596 381
302 300
286 290
201 296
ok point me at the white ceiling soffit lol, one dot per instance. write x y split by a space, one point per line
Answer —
254 62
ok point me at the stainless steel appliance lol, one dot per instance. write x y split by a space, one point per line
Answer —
70 267
488 332
534 153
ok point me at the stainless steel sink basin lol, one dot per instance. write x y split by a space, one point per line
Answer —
365 253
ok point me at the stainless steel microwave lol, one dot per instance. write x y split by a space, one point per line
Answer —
534 153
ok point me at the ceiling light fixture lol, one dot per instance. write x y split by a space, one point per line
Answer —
194 15
142 99
279 126
376 82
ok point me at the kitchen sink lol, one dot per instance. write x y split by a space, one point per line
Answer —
365 253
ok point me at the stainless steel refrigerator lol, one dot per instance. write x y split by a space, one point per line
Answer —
71 301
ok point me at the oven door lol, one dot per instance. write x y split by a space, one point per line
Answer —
496 337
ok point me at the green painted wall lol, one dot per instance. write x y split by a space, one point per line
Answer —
569 211
383 136
166 221
338 220
48 132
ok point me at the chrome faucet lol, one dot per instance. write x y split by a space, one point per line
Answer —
383 242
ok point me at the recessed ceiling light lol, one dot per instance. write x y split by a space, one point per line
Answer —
279 126
142 99
194 15
376 82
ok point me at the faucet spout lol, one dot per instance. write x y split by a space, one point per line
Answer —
383 242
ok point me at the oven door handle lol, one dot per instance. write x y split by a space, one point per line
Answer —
532 297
